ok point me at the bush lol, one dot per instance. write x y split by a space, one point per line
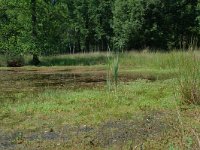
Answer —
15 61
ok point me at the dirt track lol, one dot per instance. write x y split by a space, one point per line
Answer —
118 132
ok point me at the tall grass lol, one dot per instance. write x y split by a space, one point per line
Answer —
74 60
153 60
112 70
185 64
189 78
109 64
116 68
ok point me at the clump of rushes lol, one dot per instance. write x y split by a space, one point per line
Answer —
112 70
189 81
108 79
116 69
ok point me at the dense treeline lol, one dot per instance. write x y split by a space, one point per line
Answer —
70 26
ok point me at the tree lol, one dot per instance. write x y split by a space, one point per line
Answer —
14 28
35 60
157 24
46 27
127 23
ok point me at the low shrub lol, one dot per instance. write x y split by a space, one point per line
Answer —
15 61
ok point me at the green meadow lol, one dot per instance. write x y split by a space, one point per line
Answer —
102 101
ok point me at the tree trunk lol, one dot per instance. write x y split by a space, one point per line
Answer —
35 60
87 45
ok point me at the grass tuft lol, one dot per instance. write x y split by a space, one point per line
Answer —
189 81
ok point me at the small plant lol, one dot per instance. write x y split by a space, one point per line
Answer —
18 138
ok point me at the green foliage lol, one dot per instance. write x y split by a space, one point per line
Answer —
155 23
127 22
14 28
40 27
51 27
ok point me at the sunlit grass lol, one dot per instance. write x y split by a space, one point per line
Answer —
153 60
92 106
146 82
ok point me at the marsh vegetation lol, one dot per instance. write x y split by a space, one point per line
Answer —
154 106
